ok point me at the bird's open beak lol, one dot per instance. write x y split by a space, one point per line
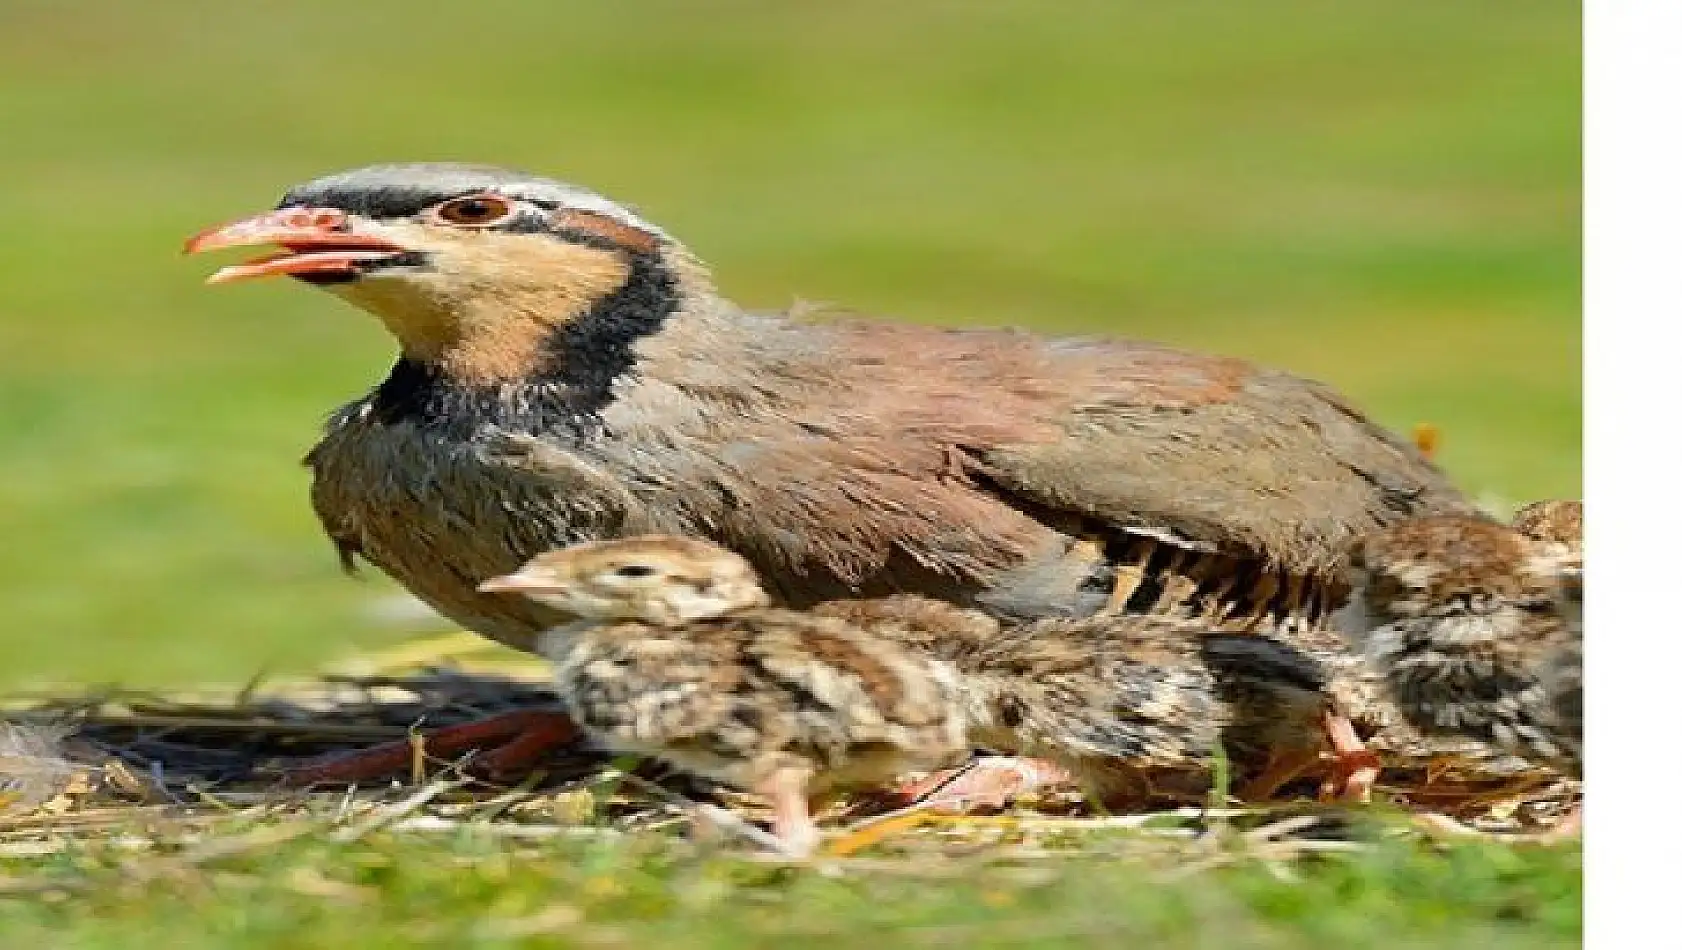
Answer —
316 241
519 582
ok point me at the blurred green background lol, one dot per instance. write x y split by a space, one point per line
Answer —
1384 196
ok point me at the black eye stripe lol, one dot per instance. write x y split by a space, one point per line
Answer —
372 203
525 222
388 203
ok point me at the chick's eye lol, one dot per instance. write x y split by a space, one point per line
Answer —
635 570
475 211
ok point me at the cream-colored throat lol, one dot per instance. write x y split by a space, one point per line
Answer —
486 311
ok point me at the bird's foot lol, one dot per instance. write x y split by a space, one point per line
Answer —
989 782
1352 778
516 741
1355 768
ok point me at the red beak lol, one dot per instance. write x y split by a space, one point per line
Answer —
317 241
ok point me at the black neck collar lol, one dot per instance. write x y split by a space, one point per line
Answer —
582 361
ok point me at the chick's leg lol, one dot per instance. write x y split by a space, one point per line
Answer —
1355 768
517 740
791 816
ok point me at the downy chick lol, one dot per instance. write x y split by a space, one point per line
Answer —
678 657
1476 630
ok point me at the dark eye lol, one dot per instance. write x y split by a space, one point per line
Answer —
474 211
635 570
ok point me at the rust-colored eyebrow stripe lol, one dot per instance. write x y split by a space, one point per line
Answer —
606 228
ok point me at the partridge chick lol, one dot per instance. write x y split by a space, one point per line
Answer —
676 656
1476 629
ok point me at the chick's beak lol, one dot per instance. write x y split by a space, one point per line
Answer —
316 241
520 582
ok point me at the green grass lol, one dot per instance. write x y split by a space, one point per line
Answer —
1383 196
470 890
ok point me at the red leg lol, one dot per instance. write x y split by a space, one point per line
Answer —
541 734
518 739
1355 769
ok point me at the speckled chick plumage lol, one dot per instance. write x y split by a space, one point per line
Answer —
1473 628
677 657
1115 697
1122 702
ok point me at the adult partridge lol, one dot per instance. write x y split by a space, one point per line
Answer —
567 371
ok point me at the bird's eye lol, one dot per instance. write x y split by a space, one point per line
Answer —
635 570
475 211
